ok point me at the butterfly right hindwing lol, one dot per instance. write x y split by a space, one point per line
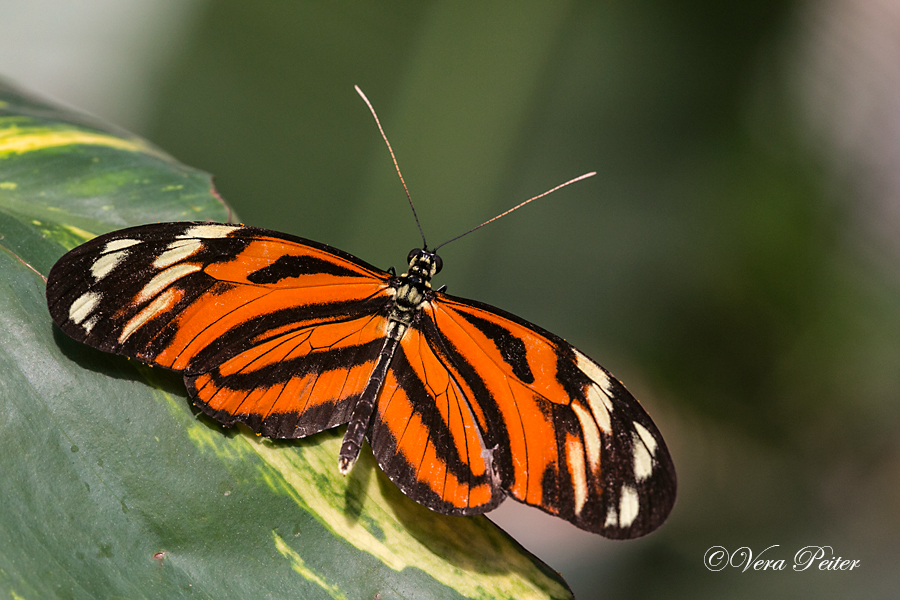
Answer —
427 432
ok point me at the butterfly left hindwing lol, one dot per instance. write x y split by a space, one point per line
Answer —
462 403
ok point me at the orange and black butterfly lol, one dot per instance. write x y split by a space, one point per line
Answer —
462 403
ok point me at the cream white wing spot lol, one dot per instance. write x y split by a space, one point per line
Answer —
646 437
113 253
161 304
211 231
593 371
83 306
89 324
612 516
600 407
121 244
643 461
591 434
575 459
164 279
176 252
629 506
626 511
104 265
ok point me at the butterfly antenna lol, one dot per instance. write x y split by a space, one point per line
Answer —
394 158
518 206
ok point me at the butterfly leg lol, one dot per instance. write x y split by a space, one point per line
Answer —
365 406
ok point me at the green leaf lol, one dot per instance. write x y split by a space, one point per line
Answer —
111 484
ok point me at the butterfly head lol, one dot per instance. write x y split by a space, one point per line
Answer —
423 264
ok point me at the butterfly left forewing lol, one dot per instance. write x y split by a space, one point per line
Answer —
568 437
163 293
96 292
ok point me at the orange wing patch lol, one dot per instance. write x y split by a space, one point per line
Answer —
523 426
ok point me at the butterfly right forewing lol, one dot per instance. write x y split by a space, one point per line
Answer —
561 433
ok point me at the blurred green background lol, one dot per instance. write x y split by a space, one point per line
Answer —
735 261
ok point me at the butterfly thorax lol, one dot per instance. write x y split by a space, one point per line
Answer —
414 285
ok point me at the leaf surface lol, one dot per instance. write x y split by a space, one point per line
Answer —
111 484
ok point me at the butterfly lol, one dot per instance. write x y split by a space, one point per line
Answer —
462 403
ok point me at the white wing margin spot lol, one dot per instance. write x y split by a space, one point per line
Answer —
647 438
120 244
176 252
598 392
629 506
104 265
82 308
623 514
111 256
211 231
593 370
643 462
644 447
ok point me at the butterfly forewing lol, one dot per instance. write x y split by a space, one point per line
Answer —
270 330
284 334
569 437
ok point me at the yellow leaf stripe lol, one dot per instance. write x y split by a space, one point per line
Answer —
500 571
511 574
300 567
17 140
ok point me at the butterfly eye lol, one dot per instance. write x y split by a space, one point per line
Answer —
412 254
438 264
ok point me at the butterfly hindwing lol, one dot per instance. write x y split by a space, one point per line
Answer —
427 432
290 383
